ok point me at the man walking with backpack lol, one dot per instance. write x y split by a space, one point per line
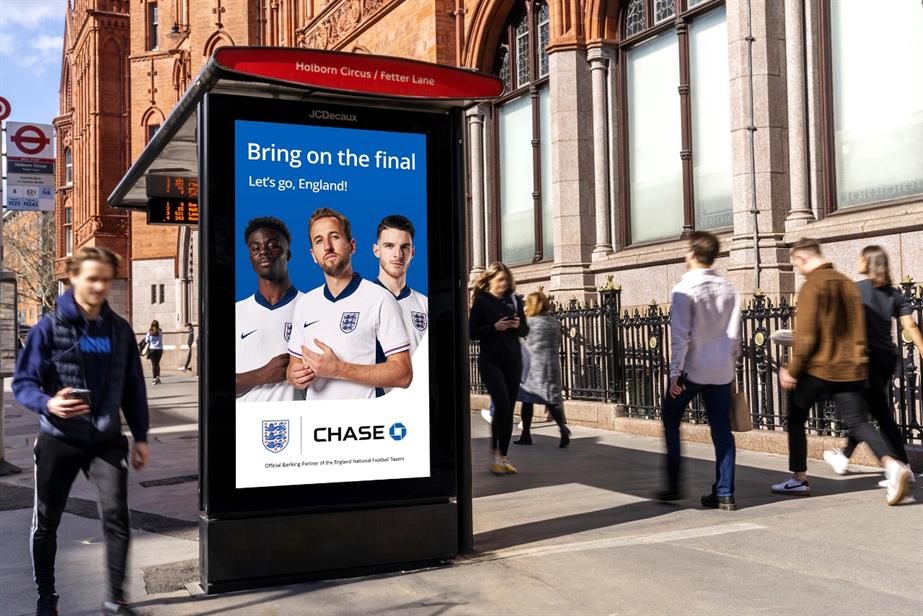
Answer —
80 365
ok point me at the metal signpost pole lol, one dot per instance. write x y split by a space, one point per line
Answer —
5 283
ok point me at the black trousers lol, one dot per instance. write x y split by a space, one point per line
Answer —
881 370
501 377
850 408
188 358
57 463
528 411
155 355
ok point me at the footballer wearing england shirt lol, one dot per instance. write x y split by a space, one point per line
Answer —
339 327
394 250
264 320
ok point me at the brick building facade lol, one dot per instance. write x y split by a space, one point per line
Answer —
624 125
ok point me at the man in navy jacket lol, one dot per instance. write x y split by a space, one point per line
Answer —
83 345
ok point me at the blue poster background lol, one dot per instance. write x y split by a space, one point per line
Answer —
372 194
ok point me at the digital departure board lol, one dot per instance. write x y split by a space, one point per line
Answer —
173 187
161 211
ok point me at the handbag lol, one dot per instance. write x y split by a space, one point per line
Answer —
741 420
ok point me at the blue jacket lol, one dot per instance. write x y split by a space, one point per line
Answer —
66 350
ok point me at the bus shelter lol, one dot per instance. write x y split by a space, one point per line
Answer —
350 475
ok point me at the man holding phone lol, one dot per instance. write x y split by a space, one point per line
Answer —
80 366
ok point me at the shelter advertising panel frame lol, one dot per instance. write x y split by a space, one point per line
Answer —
219 498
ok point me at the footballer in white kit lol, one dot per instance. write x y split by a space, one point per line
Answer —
358 324
341 327
264 319
394 249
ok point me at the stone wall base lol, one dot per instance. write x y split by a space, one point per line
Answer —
611 417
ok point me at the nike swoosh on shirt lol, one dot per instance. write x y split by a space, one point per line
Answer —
243 335
310 324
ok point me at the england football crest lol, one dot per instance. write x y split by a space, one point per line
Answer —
349 321
275 435
287 332
419 320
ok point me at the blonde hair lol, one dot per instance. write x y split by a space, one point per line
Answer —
874 264
482 283
537 303
75 261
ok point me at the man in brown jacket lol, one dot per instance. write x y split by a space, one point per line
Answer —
829 360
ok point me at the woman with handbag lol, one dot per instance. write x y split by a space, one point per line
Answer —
153 342
543 383
498 322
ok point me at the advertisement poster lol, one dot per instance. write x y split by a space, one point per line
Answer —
332 368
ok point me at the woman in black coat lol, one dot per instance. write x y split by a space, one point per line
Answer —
498 322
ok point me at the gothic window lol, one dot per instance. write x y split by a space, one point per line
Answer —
68 167
543 32
634 17
872 102
521 122
676 154
663 10
152 24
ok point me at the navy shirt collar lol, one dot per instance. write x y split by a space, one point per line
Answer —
349 290
289 295
405 292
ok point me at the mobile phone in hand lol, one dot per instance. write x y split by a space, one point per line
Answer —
681 381
79 394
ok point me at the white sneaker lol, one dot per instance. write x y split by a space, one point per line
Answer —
485 413
898 481
794 487
837 461
912 481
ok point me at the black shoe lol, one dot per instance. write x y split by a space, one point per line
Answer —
524 439
669 495
119 609
565 437
47 605
713 501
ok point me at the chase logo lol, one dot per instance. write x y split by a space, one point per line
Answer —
397 431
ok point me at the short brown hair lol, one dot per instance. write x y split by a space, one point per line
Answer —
704 246
537 303
807 245
92 253
326 212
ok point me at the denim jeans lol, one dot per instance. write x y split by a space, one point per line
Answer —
718 410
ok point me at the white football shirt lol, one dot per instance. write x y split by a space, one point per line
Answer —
361 321
263 331
415 308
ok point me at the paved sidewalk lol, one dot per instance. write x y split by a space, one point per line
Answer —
575 532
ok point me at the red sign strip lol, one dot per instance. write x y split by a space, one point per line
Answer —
360 73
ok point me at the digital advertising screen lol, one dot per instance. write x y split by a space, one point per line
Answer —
331 315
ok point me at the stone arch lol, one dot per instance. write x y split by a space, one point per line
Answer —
153 115
218 38
602 19
484 33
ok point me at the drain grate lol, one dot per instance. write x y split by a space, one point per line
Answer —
168 481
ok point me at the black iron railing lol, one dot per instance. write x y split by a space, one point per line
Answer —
616 356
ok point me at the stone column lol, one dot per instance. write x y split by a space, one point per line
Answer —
599 68
475 117
572 179
764 183
800 213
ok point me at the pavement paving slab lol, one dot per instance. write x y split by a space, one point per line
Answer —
575 531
